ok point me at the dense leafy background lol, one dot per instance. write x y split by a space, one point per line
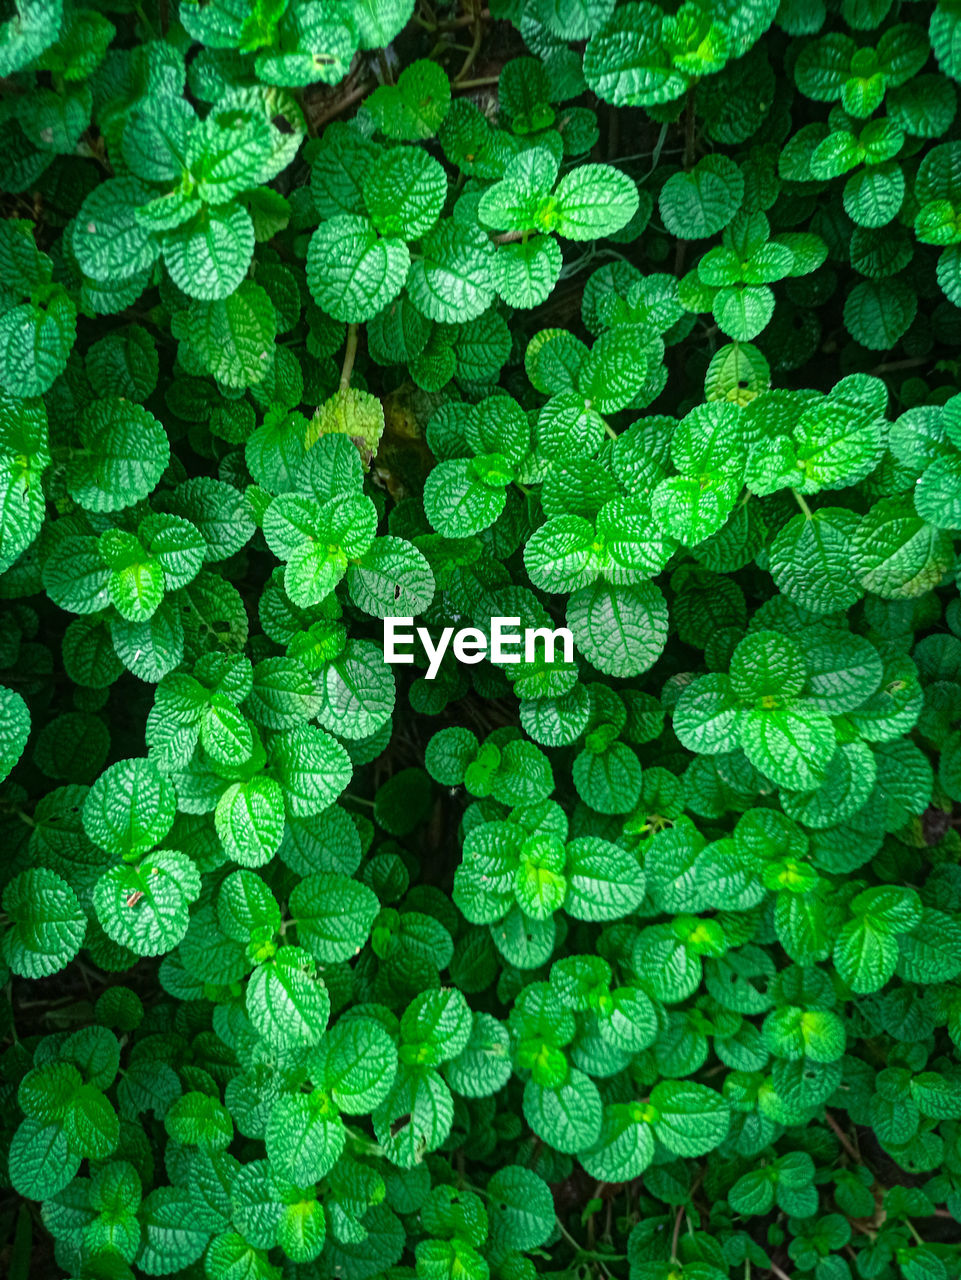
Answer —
640 319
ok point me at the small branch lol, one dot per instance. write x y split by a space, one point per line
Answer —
335 109
832 1124
690 138
471 53
808 515
676 1235
775 1270
385 72
350 355
481 83
892 366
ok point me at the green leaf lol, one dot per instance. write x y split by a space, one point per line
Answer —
691 1118
35 344
109 241
451 279
285 1003
351 271
620 630
333 915
404 191
567 1117
521 1209
14 729
46 924
391 579
123 453
896 554
145 907
40 1161
233 336
415 1117
315 769
524 274
701 202
591 201
209 256
791 744
625 1147
356 1062
129 808
250 821
604 881
415 107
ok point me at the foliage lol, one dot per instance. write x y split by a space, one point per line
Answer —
635 318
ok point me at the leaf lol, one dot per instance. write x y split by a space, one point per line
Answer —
521 1209
35 344
314 766
702 201
625 1147
620 630
209 256
896 554
40 1161
415 1117
593 200
691 1118
357 690
791 744
404 191
357 1064
391 580
285 1003
129 808
109 241
415 107
567 1117
604 881
46 924
524 275
304 1136
124 452
14 729
351 271
333 914
145 908
451 280
250 821
625 64
234 336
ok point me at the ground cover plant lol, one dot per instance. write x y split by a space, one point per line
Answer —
636 319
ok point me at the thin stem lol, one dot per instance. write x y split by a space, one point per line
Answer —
776 1271
675 1237
832 1124
473 51
350 355
480 83
386 74
803 505
690 138
610 431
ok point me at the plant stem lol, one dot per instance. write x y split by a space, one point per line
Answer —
802 504
350 354
480 83
832 1124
